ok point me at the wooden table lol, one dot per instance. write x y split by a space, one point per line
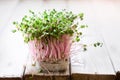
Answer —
94 64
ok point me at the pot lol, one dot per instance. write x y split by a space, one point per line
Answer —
59 66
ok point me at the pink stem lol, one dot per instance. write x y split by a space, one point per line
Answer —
58 49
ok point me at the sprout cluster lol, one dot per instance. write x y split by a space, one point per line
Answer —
50 23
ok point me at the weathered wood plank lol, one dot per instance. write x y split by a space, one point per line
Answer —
12 55
95 61
108 25
6 10
55 4
93 71
13 51
93 64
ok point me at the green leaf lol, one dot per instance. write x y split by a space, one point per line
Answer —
95 45
98 43
84 49
77 39
15 23
31 11
13 31
81 16
84 45
26 40
82 26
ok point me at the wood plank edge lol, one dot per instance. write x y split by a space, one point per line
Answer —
11 78
117 75
78 76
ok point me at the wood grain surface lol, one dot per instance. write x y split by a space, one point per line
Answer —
103 19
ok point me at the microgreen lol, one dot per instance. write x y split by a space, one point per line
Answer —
98 44
49 23
49 33
13 31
